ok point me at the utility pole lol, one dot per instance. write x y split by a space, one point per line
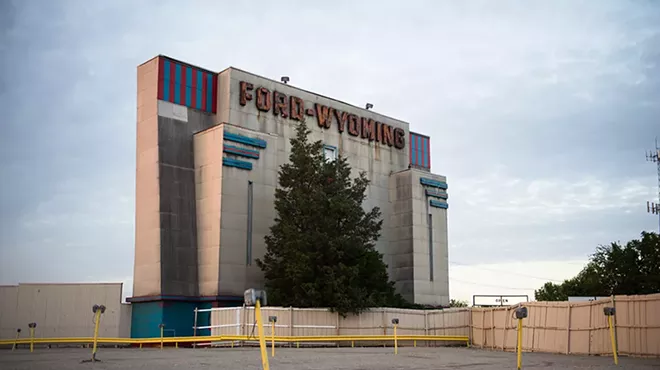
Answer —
653 207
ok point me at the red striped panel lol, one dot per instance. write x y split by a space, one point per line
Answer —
172 76
193 93
428 151
214 99
410 153
204 87
182 89
161 78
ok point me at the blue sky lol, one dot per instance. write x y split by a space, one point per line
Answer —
539 114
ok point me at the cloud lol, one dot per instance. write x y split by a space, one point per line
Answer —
539 114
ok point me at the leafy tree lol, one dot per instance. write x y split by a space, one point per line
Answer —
321 249
615 269
457 303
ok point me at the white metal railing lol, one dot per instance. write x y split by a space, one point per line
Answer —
246 323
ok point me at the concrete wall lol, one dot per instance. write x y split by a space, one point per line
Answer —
62 310
208 190
430 243
419 234
147 274
377 160
193 235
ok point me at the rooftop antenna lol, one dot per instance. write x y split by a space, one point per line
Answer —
652 207
284 79
369 106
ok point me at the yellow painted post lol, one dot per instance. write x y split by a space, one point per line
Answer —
415 343
97 320
520 344
396 348
262 340
162 329
272 339
140 345
32 326
612 337
176 345
352 344
297 344
18 334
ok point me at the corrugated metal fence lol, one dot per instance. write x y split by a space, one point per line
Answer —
555 327
573 327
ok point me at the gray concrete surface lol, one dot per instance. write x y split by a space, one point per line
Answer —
307 358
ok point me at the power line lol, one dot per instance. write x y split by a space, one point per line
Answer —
506 272
489 285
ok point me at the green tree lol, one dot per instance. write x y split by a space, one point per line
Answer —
457 303
321 248
614 269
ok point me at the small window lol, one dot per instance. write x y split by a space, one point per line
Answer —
330 152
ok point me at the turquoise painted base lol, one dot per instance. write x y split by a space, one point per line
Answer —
178 317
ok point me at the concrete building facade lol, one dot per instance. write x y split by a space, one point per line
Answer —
209 146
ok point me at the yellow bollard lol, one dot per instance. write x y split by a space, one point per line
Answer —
614 349
519 347
415 343
610 312
352 344
521 313
162 329
18 334
140 345
272 339
396 347
297 344
176 345
32 326
262 340
395 322
97 320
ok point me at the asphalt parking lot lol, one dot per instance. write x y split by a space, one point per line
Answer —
306 358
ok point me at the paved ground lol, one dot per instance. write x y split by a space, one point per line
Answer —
307 358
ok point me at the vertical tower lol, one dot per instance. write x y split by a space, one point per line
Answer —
652 207
174 100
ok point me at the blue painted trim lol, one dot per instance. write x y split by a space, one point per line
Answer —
433 183
248 153
436 194
438 204
209 92
419 150
177 83
166 78
189 73
245 140
413 159
198 97
231 162
424 153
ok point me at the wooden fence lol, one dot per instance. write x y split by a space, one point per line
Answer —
573 327
555 327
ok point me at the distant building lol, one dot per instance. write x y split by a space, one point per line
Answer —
209 146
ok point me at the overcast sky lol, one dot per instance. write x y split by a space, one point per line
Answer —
539 115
